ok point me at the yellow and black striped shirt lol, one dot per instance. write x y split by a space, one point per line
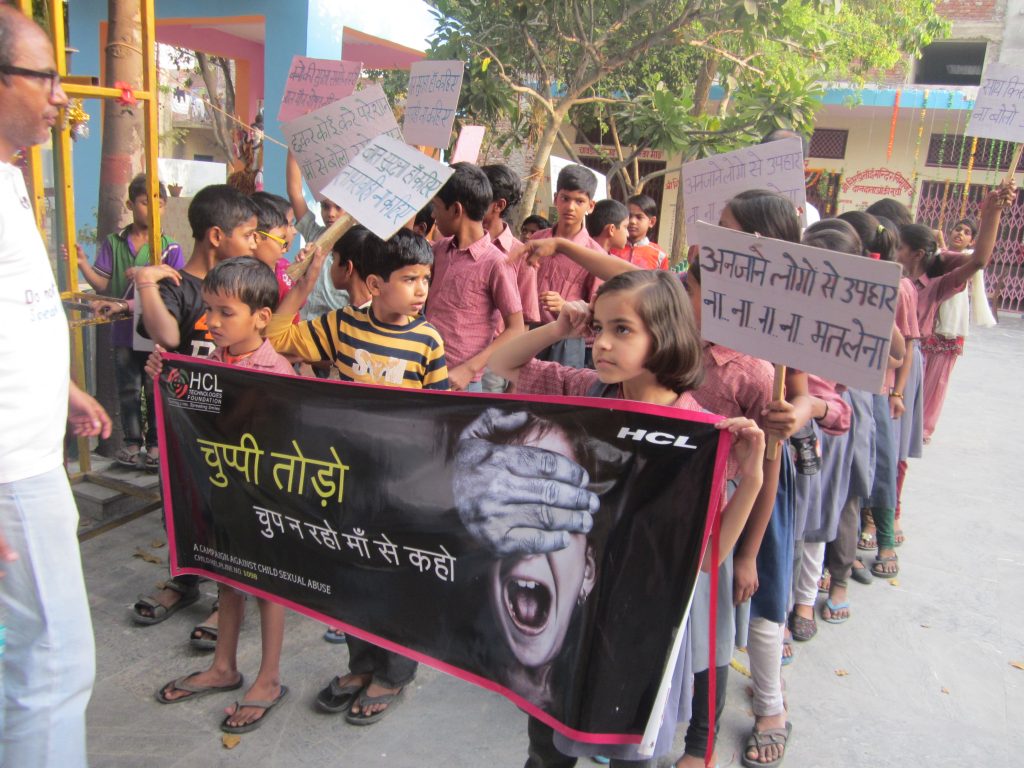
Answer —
366 350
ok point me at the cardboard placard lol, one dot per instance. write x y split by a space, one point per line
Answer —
999 109
467 146
708 184
386 184
434 88
325 141
315 83
823 312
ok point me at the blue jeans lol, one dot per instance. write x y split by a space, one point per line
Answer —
49 661
131 379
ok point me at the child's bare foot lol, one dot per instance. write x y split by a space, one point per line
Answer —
867 540
836 609
239 715
690 761
204 634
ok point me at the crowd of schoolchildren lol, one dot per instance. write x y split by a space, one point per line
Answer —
586 306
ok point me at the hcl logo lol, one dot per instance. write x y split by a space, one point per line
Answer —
657 438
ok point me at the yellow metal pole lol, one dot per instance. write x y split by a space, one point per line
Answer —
64 171
152 126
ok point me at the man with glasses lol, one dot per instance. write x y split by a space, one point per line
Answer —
49 659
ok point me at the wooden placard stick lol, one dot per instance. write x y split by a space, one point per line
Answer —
325 242
1014 162
778 392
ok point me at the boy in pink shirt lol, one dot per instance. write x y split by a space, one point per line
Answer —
473 285
559 278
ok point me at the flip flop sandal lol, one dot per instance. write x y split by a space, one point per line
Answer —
162 612
363 700
337 698
803 629
758 740
151 463
787 660
266 706
203 643
833 609
898 538
335 636
824 583
127 457
194 691
878 567
861 574
867 542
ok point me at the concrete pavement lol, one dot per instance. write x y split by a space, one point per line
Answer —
929 678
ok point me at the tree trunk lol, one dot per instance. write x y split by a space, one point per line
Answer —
121 159
221 125
540 161
701 92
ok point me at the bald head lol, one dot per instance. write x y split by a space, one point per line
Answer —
29 98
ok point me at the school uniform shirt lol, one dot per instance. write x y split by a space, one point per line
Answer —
264 358
185 303
471 289
526 277
931 292
564 276
643 253
837 419
366 350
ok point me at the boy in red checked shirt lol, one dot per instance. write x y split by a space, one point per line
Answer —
559 278
639 250
473 283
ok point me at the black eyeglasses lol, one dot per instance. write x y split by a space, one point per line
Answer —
44 74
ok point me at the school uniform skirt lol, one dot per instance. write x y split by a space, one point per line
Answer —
775 557
883 490
834 482
910 427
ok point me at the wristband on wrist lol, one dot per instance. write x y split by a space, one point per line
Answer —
824 415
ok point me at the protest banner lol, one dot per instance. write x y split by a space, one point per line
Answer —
434 88
367 508
315 83
823 312
467 146
325 141
778 166
999 109
386 184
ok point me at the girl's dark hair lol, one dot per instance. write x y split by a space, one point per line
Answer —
244 278
834 235
645 203
350 247
918 237
893 210
767 213
875 236
675 357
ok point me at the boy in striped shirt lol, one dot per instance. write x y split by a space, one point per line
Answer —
389 342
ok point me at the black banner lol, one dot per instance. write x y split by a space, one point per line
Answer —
408 517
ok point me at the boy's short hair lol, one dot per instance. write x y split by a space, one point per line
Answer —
605 212
537 219
218 205
402 249
351 247
505 185
645 203
470 187
137 188
269 210
425 218
675 357
244 278
577 178
970 223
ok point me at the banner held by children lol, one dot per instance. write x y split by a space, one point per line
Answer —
315 83
999 109
386 184
778 166
827 313
325 141
467 146
300 491
434 88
